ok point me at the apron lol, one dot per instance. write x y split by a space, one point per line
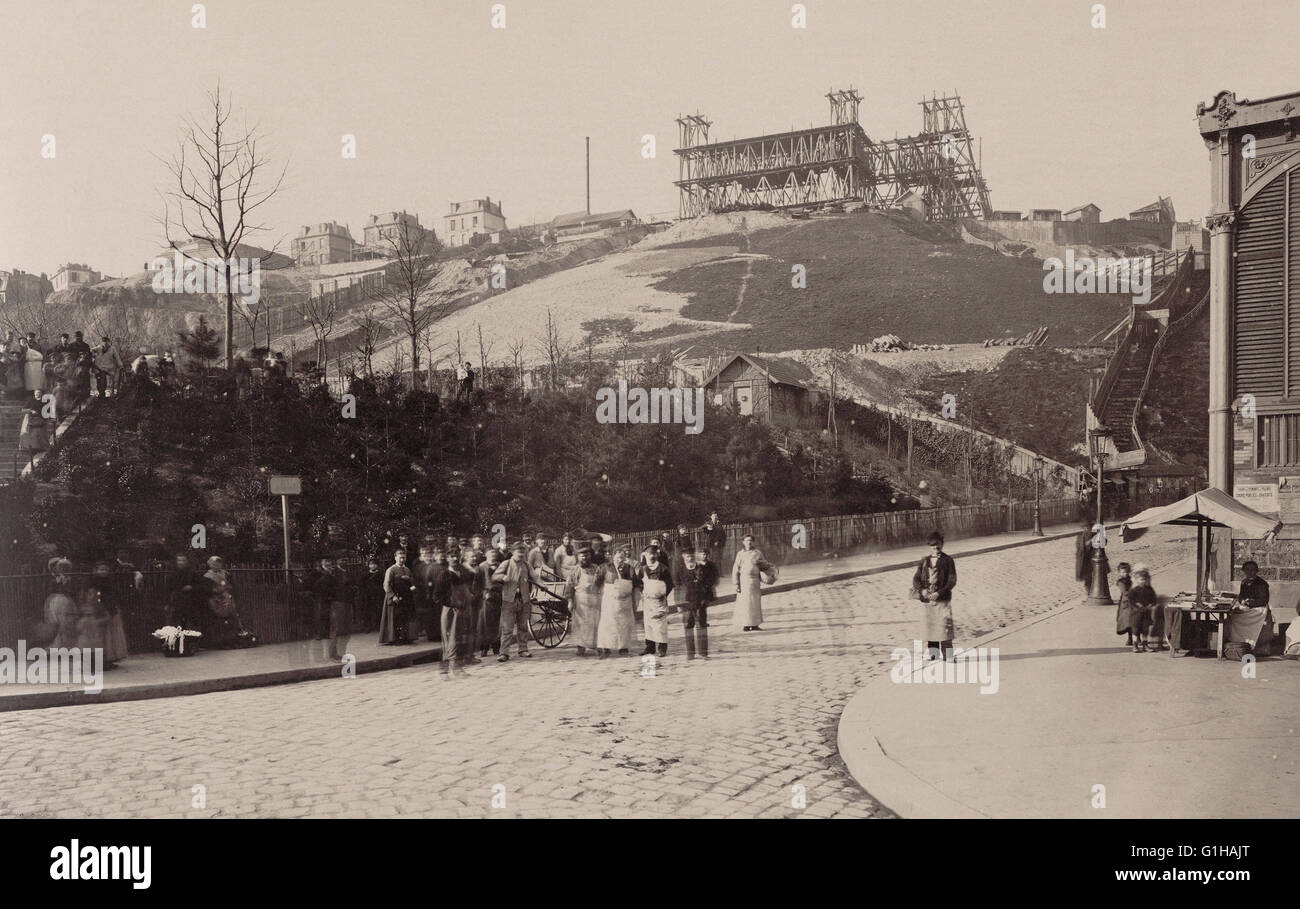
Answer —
586 608
617 619
936 618
654 608
749 602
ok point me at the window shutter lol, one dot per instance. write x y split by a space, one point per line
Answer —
1258 321
1293 283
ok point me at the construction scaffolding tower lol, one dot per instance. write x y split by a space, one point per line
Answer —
835 163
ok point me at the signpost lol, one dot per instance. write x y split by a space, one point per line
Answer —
285 487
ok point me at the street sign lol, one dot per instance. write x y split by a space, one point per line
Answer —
286 486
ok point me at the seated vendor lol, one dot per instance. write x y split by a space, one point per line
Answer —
1254 589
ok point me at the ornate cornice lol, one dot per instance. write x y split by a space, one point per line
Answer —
1224 107
1221 223
1259 165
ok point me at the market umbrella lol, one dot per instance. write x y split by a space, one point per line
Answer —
1205 510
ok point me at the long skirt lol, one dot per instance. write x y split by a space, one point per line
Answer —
936 621
115 644
617 626
586 616
749 603
655 616
394 622
62 615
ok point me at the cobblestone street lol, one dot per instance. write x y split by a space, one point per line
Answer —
749 733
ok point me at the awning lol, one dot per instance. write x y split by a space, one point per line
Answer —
1207 508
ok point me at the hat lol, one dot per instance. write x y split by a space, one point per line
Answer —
934 538
519 547
587 549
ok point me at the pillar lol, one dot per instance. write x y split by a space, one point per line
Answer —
1220 453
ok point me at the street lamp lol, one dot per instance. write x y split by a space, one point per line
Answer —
1038 476
1099 589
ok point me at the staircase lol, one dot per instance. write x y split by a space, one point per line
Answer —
11 421
1118 398
1125 393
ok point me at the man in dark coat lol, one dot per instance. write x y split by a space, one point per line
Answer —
1083 556
333 591
714 537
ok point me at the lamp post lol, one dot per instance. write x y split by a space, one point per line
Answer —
1099 589
1038 476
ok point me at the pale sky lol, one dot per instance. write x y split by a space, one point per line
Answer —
444 107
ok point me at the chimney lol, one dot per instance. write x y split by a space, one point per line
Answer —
589 175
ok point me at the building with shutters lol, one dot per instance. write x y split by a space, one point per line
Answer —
466 220
772 389
1254 225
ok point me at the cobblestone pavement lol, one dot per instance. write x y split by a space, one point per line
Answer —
749 733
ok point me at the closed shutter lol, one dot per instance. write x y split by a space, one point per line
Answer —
1258 311
1293 283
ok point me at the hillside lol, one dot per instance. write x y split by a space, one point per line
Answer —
1033 397
727 286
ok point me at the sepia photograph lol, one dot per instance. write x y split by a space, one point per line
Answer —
451 410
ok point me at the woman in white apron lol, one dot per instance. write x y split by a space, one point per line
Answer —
932 584
617 616
587 582
656 583
747 571
34 371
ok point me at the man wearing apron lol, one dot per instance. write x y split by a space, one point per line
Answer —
617 609
932 584
587 583
656 584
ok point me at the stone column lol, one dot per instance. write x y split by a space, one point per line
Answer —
1221 350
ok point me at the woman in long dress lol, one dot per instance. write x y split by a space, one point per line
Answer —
747 571
62 613
564 557
99 601
398 599
617 625
224 625
587 581
656 584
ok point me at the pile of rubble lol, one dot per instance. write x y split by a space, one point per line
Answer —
887 343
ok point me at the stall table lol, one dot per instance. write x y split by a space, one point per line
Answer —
1208 612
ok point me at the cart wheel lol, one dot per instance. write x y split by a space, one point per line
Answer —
547 624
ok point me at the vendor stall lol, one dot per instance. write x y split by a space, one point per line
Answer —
1201 610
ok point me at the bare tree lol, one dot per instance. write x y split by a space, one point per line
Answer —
516 348
483 351
320 313
408 294
259 310
220 177
554 348
370 329
26 311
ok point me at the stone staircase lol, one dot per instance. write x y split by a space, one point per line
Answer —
1124 394
11 421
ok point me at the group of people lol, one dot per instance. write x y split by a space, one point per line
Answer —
87 615
476 598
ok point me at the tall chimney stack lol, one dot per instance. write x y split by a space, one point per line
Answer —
589 175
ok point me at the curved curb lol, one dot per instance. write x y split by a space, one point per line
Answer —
76 697
892 784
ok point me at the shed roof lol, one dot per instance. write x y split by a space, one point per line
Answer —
779 370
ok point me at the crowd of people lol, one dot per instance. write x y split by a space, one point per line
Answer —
472 597
476 598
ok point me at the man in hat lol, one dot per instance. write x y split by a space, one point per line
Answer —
587 583
334 593
539 559
489 622
932 584
429 589
714 537
107 364
598 557
514 578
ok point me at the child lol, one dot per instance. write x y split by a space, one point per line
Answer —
1143 600
1124 611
